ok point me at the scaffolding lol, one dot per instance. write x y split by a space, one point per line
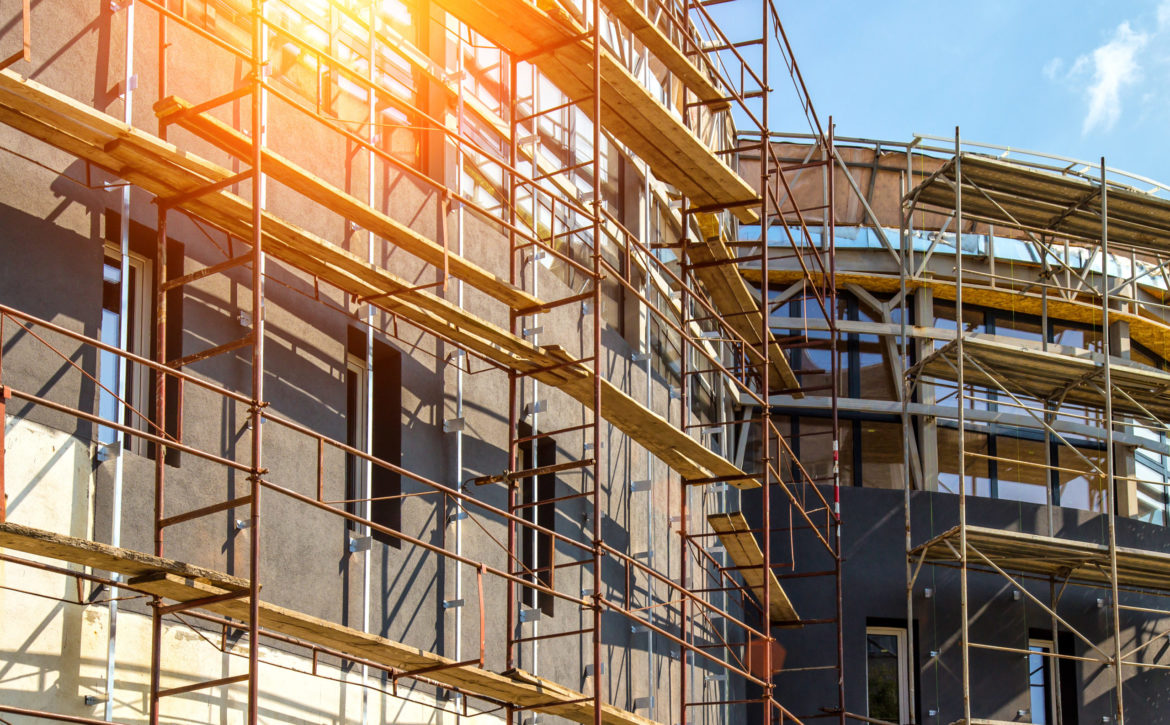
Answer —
1049 205
551 206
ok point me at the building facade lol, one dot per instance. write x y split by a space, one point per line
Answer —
352 373
1061 299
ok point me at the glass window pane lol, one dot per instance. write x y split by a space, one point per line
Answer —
1086 488
882 668
881 455
1020 469
1038 688
978 482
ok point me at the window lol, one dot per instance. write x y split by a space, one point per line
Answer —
1040 691
382 423
137 341
141 325
887 674
355 436
536 494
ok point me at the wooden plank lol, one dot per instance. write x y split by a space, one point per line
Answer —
671 56
1081 561
104 557
543 32
1044 199
184 582
163 170
745 551
731 295
1051 374
301 180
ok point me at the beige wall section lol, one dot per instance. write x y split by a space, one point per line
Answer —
48 478
53 653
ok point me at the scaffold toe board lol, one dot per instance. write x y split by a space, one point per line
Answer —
1050 375
733 298
163 170
183 582
1080 562
286 172
745 551
547 36
671 56
1015 195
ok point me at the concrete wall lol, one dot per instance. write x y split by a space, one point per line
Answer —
55 218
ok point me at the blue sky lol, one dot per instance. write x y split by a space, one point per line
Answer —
1085 79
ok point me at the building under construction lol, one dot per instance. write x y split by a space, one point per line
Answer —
442 360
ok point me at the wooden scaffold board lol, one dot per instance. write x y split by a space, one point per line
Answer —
1080 562
183 582
1050 375
163 170
545 34
671 56
745 551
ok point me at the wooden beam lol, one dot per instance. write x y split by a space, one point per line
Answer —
745 551
183 582
546 35
163 170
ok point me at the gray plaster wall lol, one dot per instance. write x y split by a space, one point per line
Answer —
54 220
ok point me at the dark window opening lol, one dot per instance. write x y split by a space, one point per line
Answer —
385 433
1052 681
536 493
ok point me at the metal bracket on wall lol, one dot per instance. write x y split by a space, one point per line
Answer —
109 451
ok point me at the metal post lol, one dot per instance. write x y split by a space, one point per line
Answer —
833 338
963 603
765 374
513 380
258 63
368 396
905 242
120 439
160 410
597 363
1110 483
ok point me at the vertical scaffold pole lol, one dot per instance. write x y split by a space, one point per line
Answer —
258 54
598 360
965 634
1110 481
765 368
513 418
833 337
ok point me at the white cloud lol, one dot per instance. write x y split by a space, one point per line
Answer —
1053 67
1115 66
1135 54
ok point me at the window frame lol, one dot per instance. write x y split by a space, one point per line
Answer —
138 339
903 666
1046 659
357 436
